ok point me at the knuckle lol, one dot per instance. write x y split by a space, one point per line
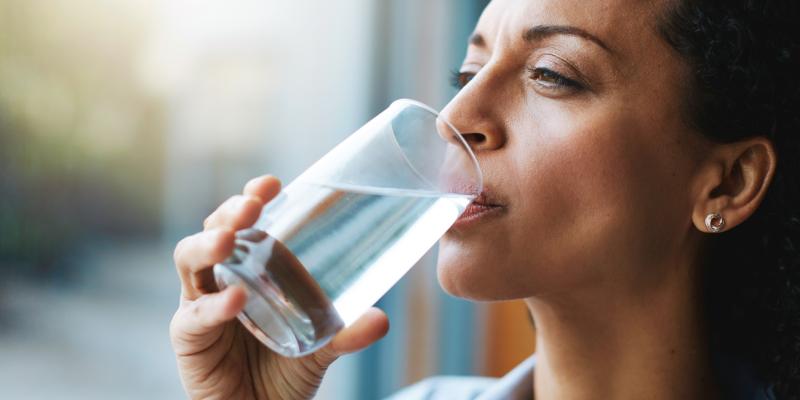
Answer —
174 324
196 309
242 214
324 357
222 243
249 185
177 324
179 251
255 181
252 201
249 207
222 213
234 200
230 210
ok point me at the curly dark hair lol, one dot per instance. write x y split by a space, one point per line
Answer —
745 60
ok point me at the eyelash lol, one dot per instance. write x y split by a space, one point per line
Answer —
556 80
460 79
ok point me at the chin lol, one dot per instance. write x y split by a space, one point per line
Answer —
453 284
464 276
480 273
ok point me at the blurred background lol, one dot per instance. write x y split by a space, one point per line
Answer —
123 123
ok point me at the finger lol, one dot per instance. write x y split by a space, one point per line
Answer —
264 187
198 324
238 212
194 256
370 327
242 211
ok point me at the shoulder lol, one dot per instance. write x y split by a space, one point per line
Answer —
517 384
445 388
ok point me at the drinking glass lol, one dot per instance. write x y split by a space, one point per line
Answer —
338 237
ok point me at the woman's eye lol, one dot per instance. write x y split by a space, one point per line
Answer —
460 79
551 79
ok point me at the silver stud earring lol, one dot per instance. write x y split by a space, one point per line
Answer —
715 222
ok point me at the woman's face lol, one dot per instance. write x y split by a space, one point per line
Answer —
573 108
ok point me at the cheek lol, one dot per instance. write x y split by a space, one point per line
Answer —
596 198
563 197
573 199
608 195
592 197
565 193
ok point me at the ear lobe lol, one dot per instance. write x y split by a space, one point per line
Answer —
735 181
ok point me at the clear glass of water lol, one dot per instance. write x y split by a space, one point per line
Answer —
339 236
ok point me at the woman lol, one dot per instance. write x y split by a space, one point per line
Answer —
642 196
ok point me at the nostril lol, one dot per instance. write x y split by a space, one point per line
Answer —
474 138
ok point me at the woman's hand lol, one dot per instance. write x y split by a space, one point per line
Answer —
217 357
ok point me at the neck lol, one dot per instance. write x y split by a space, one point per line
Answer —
616 343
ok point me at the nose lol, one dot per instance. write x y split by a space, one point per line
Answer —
477 116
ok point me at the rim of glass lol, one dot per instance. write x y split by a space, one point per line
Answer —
460 137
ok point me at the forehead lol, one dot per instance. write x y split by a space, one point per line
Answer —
619 23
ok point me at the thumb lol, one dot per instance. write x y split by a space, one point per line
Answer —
370 327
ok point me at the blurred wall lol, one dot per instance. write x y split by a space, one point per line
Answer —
80 138
86 294
253 87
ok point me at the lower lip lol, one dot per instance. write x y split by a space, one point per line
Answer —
476 213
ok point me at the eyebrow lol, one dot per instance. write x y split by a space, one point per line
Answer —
540 32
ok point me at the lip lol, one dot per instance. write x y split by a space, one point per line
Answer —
481 209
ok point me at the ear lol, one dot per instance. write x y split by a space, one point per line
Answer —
733 181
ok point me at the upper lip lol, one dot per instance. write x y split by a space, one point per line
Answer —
485 198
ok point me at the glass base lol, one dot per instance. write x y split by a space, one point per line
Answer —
270 316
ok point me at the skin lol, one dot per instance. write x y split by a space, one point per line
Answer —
217 358
603 189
